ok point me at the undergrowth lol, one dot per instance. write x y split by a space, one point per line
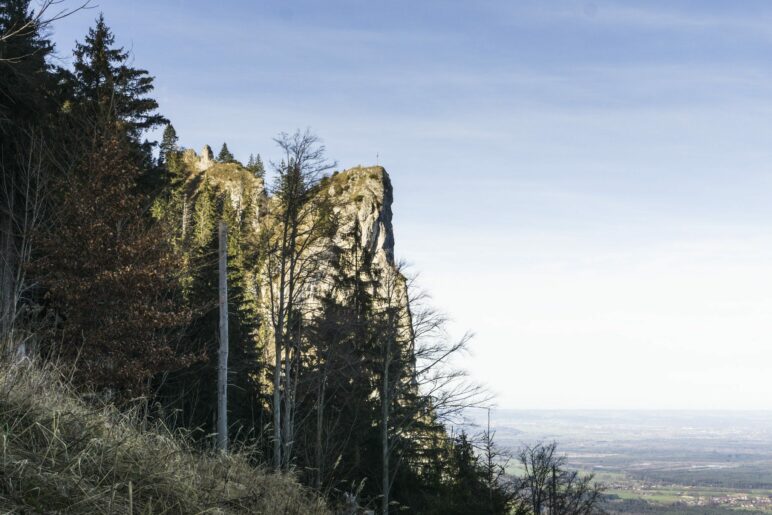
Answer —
61 454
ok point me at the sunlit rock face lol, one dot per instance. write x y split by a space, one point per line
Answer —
365 195
207 158
360 195
247 193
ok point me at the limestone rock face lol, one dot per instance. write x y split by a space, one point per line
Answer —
207 158
199 163
246 192
360 195
365 194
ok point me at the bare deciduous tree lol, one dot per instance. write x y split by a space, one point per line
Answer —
291 245
47 13
22 194
547 487
419 380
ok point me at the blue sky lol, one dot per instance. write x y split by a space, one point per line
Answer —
585 185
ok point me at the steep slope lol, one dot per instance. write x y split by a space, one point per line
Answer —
61 455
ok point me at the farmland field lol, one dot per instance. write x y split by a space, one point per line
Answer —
655 461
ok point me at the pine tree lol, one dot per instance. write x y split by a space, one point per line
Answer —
225 155
105 85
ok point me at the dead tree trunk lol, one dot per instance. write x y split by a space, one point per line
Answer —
222 368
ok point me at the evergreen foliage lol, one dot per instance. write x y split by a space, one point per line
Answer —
26 108
198 207
225 155
168 143
255 165
108 88
24 72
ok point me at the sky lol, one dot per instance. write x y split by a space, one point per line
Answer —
585 185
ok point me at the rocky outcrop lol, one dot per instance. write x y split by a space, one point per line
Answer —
364 195
360 195
197 162
246 192
207 158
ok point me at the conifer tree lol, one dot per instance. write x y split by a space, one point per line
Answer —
23 68
168 143
191 391
255 165
225 155
110 273
105 85
336 381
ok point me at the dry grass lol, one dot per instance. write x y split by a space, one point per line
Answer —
61 455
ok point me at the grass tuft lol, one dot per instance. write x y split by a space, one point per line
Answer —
59 454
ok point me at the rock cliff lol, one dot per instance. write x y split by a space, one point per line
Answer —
365 194
361 193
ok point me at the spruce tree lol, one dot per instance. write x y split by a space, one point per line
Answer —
168 143
255 165
111 274
23 67
336 383
191 391
108 88
225 155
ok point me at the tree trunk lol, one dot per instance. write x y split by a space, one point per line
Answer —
385 430
319 426
278 347
277 403
184 216
222 369
285 421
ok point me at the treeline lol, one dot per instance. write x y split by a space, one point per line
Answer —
339 371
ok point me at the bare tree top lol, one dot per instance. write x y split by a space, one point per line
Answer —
304 153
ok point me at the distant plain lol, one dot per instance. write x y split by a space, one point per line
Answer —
684 461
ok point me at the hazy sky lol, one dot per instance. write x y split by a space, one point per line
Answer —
585 185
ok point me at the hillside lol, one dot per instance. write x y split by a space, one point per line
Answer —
62 455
